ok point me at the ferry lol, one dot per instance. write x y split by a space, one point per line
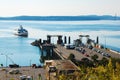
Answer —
21 31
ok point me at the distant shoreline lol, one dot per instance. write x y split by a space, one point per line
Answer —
62 18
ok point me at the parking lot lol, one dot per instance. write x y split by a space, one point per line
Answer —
86 52
22 73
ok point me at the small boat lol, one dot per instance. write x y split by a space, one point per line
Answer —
21 31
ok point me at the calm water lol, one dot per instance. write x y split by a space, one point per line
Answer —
21 52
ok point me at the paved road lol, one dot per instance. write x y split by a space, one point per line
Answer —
78 55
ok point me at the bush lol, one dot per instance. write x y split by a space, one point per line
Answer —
107 72
71 57
94 57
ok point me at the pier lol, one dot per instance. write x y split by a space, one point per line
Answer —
59 51
49 50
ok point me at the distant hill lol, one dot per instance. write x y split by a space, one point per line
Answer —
62 18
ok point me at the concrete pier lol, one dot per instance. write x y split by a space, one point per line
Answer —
58 51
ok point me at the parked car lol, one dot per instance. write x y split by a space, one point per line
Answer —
90 47
69 46
86 55
107 55
77 48
94 49
34 66
13 66
85 59
83 51
24 77
52 69
103 54
14 71
98 51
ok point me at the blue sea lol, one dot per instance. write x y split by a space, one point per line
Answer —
20 51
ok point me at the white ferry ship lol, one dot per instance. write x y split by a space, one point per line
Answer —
21 31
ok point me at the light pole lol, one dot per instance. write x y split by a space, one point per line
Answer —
105 41
30 62
6 55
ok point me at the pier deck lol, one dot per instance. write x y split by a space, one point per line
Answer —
63 52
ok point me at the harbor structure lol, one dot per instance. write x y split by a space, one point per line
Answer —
61 51
81 36
47 48
65 40
59 41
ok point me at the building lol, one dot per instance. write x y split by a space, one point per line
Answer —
56 68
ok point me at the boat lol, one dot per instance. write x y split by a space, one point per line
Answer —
21 31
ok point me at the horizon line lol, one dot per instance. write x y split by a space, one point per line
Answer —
64 15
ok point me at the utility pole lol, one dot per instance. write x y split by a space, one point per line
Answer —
6 55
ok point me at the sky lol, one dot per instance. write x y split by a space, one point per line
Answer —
59 7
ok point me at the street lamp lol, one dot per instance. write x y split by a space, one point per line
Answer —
105 41
6 55
30 62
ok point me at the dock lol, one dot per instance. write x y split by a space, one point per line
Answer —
64 53
78 55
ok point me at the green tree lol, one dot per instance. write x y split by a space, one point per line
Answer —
104 61
71 57
94 57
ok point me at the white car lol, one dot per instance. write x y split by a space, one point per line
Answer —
103 54
24 77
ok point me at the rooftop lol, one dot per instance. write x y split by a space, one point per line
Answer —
65 65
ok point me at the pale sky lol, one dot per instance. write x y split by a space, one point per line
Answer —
59 7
